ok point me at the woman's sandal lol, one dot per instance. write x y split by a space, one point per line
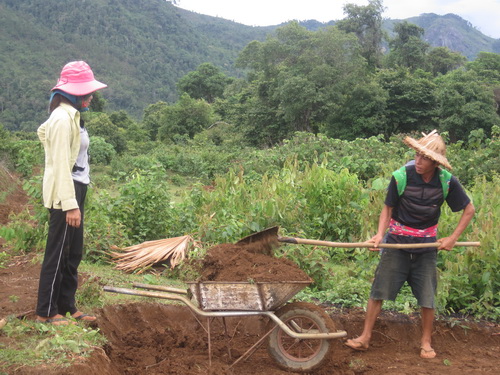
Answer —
84 317
56 320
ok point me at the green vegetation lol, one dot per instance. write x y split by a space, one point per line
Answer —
139 48
311 186
41 344
307 141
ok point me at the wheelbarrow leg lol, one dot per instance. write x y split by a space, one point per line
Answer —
228 342
253 348
209 344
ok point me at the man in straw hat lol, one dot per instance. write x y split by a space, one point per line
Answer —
411 214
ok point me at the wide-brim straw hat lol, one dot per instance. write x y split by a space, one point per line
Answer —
431 146
78 79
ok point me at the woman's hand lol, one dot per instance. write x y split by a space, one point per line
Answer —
74 217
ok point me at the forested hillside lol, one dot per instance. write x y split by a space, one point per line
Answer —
141 49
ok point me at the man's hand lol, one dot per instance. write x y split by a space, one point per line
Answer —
74 217
375 240
446 243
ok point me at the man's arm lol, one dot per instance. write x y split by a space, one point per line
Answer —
447 243
383 224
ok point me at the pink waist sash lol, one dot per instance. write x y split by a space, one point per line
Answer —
403 230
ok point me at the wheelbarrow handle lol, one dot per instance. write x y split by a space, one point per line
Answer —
305 241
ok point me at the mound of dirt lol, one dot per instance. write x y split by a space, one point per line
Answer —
229 262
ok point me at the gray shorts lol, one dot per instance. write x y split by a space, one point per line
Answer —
397 266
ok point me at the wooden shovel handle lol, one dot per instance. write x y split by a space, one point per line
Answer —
305 241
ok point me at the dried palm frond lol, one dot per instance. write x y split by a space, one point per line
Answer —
144 255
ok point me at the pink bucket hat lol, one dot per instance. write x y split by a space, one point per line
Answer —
78 79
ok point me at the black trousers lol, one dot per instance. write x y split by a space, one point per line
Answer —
63 254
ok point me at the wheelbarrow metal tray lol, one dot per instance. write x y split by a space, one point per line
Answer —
244 296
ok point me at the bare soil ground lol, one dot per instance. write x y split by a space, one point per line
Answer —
156 338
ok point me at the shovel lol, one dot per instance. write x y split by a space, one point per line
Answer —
269 238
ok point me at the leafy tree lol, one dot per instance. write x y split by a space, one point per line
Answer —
366 23
152 118
121 119
136 133
101 152
295 77
143 205
442 60
408 49
464 104
487 66
220 134
99 124
132 131
206 82
410 102
360 113
229 107
187 117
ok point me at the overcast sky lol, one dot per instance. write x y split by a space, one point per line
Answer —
484 15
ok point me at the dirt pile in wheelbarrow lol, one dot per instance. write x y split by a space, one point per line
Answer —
230 262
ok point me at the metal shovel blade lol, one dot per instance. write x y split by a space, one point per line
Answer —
266 235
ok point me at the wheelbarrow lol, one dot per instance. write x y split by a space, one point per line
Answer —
298 334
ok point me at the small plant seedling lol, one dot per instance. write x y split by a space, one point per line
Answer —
357 365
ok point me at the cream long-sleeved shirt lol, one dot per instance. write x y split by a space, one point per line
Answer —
60 136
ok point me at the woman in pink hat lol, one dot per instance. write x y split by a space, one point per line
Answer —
65 181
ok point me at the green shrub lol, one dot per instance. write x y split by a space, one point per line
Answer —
470 277
143 205
24 155
101 230
27 230
101 152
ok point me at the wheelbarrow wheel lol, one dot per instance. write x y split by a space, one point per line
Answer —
300 355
